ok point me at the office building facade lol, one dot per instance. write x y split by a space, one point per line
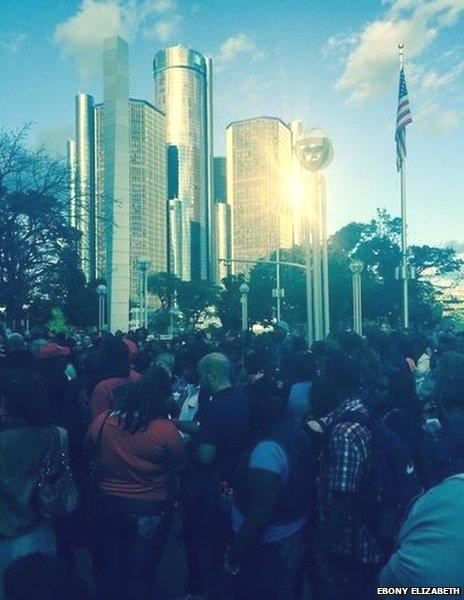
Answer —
116 150
183 89
223 219
123 143
147 191
259 159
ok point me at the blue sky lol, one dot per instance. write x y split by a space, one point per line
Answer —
331 63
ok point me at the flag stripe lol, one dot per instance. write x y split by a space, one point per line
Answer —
403 118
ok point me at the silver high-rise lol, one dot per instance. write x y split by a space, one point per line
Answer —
121 144
223 219
182 80
81 159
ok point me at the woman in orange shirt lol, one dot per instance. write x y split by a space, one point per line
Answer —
140 454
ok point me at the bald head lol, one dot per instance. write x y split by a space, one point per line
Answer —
214 372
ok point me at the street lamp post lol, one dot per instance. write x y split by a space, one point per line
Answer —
26 318
356 268
101 293
143 264
244 290
315 152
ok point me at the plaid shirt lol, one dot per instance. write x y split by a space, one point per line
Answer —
345 464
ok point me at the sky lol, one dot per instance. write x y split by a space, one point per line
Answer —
331 63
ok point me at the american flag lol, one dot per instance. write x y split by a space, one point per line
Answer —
403 118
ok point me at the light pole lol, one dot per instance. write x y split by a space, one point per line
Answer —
101 293
356 268
314 151
244 290
26 319
143 264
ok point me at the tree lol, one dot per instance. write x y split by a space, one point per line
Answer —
163 286
378 244
33 224
194 297
228 305
439 260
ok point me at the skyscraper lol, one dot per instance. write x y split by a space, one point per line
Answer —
147 190
183 93
259 158
223 219
116 194
71 159
123 150
81 160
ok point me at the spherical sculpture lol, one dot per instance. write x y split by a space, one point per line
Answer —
314 150
244 288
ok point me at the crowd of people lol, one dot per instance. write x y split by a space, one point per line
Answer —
289 472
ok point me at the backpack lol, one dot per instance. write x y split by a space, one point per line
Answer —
392 483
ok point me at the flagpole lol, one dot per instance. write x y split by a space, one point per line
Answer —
404 227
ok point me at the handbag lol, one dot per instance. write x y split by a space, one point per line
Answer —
57 494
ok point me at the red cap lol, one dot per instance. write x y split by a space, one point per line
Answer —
132 347
51 350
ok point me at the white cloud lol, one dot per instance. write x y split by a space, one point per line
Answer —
81 35
433 119
164 29
10 43
238 45
371 62
339 45
433 80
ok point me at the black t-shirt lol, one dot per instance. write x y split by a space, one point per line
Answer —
224 424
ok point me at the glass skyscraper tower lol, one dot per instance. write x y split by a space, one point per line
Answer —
183 93
118 166
147 190
259 160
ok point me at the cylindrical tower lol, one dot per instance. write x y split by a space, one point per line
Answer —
71 158
85 182
182 78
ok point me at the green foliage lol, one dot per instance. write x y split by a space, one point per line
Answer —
194 297
163 286
58 323
378 244
228 303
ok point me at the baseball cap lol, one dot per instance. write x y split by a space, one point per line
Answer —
51 350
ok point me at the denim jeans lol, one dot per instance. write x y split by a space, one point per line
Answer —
274 571
353 580
131 536
209 530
